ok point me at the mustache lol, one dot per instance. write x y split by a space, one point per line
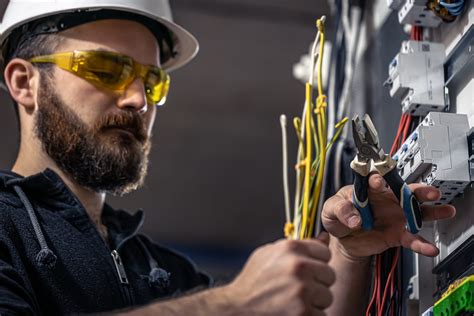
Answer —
130 121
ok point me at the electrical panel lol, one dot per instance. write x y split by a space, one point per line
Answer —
432 76
437 153
416 76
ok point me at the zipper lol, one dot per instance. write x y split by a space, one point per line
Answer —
122 277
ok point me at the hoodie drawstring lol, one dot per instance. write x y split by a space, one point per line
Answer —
46 256
157 276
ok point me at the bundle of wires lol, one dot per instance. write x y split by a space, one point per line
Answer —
454 7
387 287
349 18
313 144
447 10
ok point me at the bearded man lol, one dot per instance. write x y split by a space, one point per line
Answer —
86 77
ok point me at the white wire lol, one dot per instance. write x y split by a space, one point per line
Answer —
352 43
285 167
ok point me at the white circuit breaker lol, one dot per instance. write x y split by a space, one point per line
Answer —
414 12
436 153
416 76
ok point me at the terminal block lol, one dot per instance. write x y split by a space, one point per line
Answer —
436 153
416 76
458 300
415 12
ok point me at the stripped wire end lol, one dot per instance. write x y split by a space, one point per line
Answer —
286 190
320 23
341 123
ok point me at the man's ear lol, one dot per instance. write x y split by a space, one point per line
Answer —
21 79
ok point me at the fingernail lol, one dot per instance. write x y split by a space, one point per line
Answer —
353 221
433 195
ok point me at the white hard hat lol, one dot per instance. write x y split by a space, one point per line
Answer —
22 13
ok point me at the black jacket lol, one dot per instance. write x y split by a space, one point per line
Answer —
54 262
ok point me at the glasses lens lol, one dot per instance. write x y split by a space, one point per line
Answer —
157 85
107 69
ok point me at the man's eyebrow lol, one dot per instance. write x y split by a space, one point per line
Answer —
102 49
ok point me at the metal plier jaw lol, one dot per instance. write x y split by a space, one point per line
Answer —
369 151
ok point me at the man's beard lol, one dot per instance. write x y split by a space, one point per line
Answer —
102 158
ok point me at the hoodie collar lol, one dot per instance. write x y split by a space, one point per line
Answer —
49 189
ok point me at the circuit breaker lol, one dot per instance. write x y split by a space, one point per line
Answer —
416 76
437 153
415 12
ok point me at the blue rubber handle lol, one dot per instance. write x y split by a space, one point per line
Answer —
360 199
408 201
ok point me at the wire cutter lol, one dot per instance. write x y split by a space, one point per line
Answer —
368 150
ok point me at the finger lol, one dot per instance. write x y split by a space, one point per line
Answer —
320 296
324 238
425 193
324 274
418 244
435 212
377 183
339 216
316 311
312 248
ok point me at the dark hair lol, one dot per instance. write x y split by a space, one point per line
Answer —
42 44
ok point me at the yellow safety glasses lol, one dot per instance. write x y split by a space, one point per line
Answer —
112 71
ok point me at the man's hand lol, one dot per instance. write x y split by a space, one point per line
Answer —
288 277
342 220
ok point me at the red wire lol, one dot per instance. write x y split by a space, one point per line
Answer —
406 128
401 124
389 280
379 281
391 294
375 293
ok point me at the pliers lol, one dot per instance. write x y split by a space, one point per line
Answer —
368 150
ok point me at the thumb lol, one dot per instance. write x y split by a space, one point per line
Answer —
324 238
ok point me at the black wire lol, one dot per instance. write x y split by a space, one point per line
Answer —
414 124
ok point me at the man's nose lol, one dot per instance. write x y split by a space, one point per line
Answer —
134 97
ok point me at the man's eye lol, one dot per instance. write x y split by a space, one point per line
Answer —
105 76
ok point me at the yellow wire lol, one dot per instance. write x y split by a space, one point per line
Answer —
307 159
320 26
316 131
322 132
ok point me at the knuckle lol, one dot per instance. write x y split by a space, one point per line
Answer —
297 267
299 291
291 245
